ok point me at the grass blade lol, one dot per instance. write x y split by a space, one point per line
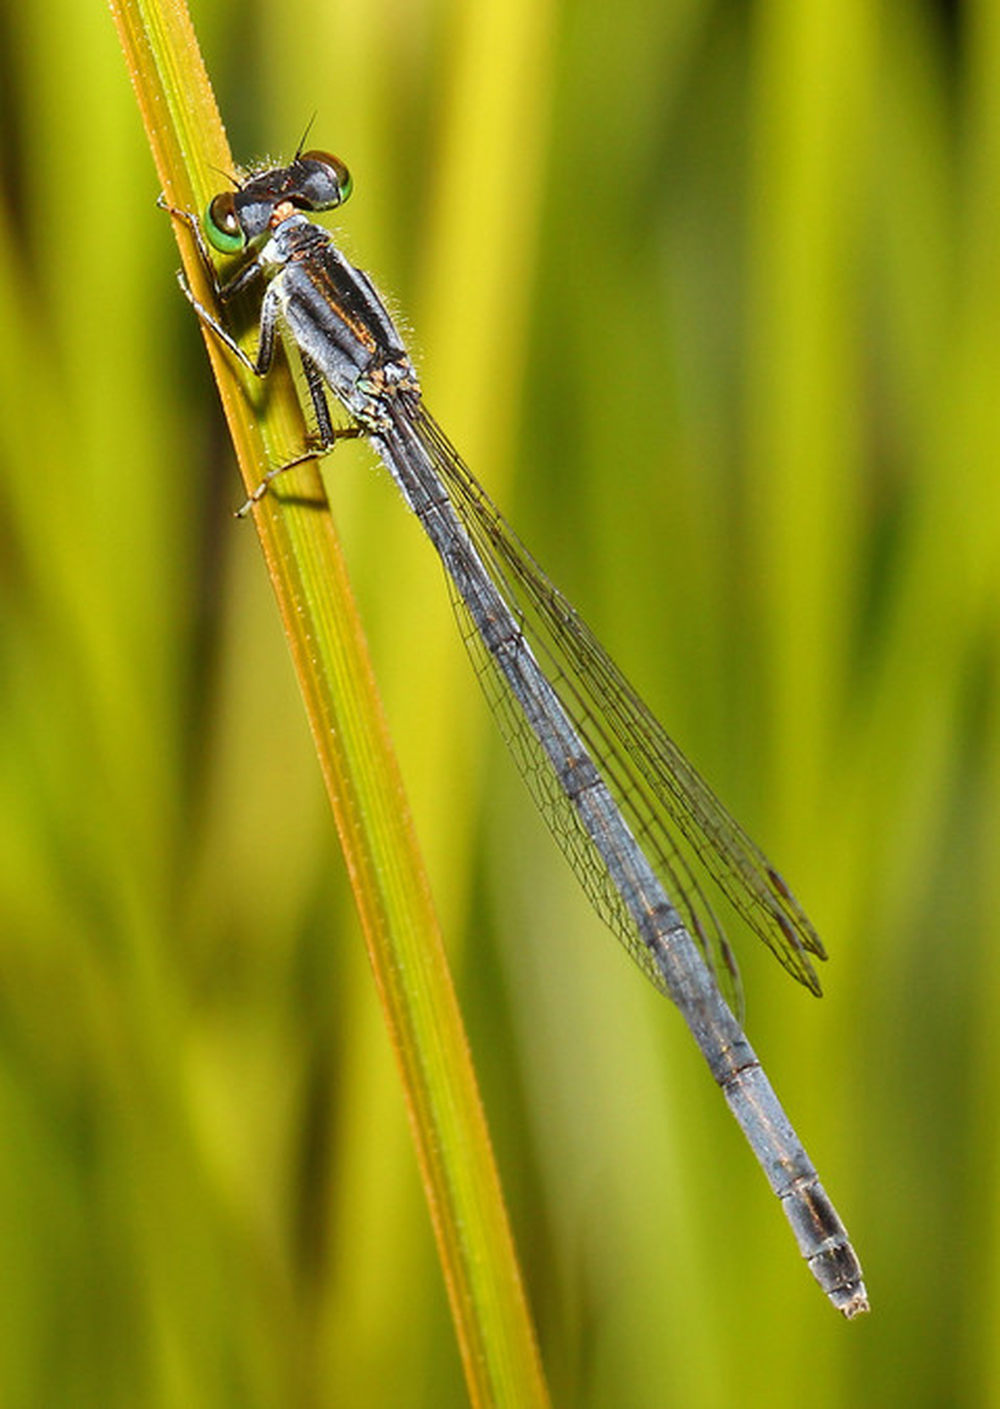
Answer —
328 649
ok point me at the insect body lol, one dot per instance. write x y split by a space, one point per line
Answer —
639 825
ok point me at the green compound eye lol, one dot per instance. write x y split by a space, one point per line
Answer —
222 225
340 183
345 178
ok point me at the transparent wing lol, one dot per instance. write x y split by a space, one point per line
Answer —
676 817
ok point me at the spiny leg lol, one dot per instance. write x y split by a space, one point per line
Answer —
188 218
224 292
232 286
259 365
316 453
329 434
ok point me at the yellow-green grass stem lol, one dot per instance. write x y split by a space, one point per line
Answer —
303 557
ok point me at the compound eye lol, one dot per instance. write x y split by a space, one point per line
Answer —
338 175
222 225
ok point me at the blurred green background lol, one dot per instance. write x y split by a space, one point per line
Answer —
709 295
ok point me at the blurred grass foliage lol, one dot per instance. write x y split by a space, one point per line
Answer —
710 296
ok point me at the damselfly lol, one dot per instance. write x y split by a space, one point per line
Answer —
633 816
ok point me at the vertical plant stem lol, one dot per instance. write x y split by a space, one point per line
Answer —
303 557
